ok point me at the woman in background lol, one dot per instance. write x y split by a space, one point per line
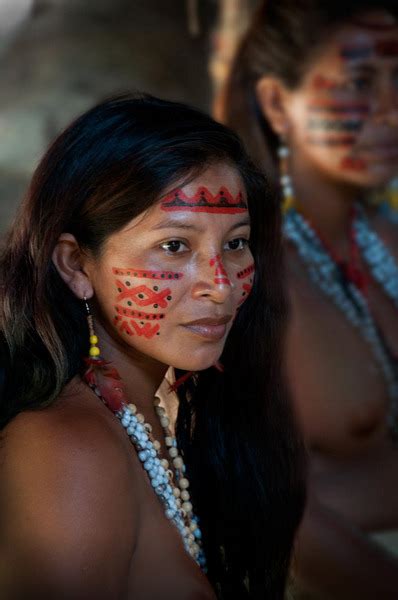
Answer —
313 92
134 248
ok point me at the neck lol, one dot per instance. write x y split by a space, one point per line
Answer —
141 374
325 203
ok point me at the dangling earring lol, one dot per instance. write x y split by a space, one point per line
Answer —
285 179
103 379
94 351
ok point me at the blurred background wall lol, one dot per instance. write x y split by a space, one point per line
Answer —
59 57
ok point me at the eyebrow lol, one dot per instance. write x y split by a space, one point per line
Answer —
175 224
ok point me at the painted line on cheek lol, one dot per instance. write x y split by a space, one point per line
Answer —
138 314
220 275
351 125
320 82
145 273
338 107
147 330
204 201
137 295
347 140
245 272
353 164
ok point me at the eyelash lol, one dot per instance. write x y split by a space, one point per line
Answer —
243 243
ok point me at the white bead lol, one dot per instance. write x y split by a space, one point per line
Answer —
164 421
156 445
173 452
193 526
177 492
187 506
183 483
132 408
178 462
165 463
185 495
160 411
168 441
156 401
140 418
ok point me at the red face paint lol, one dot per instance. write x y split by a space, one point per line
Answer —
220 274
146 274
205 201
343 108
129 317
353 164
320 82
341 140
245 272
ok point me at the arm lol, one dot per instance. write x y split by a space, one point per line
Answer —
67 517
334 560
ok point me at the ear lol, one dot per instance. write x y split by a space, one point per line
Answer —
271 95
68 259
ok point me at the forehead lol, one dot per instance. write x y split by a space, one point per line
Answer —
371 38
215 197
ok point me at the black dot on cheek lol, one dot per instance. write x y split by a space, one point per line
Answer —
155 287
141 322
169 297
162 275
155 305
140 295
128 283
129 302
158 333
119 289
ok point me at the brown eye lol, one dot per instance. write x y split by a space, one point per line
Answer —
173 246
237 244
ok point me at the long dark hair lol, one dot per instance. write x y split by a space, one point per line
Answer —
234 428
282 41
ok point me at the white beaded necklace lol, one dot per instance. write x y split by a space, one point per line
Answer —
326 273
174 497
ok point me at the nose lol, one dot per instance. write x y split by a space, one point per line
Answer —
385 109
212 280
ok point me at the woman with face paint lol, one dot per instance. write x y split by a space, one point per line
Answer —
313 93
144 241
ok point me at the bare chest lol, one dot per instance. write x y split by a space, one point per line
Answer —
336 382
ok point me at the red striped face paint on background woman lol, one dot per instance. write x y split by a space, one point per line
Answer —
172 280
344 115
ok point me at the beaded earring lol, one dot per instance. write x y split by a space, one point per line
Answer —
285 178
100 375
94 350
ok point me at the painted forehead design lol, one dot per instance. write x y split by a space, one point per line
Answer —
204 201
386 48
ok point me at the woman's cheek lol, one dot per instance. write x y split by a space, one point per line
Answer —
244 282
142 299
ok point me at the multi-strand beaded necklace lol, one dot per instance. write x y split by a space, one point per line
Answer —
171 488
345 285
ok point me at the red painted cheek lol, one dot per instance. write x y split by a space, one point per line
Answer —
350 163
220 274
140 306
245 278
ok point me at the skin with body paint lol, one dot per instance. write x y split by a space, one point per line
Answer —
334 115
169 283
341 125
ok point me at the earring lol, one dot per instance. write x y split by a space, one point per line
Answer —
285 179
94 351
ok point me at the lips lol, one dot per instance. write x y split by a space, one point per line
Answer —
212 328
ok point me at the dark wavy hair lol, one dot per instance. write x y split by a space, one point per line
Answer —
282 41
235 429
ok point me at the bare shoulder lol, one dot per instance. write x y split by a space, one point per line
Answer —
68 499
